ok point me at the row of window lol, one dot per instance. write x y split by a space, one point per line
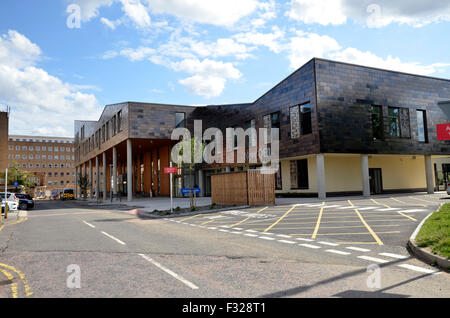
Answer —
42 140
398 123
44 166
38 157
61 174
60 182
43 148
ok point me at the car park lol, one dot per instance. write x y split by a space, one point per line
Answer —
25 201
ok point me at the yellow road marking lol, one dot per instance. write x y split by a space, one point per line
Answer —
248 218
376 202
359 233
374 235
423 205
341 227
402 214
1 227
296 223
423 200
13 285
281 218
190 218
318 223
22 277
206 222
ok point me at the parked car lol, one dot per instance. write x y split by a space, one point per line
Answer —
67 194
25 201
13 201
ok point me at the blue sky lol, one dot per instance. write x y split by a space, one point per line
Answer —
195 52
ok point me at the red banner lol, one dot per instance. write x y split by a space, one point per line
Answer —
443 131
171 170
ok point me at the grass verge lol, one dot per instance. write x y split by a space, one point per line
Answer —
435 232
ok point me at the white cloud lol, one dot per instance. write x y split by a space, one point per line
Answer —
41 103
216 12
355 56
312 11
90 8
305 46
378 13
137 12
270 40
111 24
139 54
209 77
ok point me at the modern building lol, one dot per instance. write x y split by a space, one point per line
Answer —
51 160
344 129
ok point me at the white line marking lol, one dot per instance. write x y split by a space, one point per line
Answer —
328 243
419 269
310 246
348 207
338 252
313 205
168 271
251 231
373 259
367 208
221 230
331 206
251 235
225 226
238 228
266 233
89 224
267 238
412 211
394 255
388 209
212 228
286 242
304 239
359 249
285 236
236 232
114 238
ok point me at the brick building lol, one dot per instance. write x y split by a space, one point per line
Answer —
344 129
50 159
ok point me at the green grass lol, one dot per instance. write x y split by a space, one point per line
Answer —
435 232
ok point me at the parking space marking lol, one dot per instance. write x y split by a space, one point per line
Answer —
419 269
400 201
286 242
88 224
168 271
394 255
319 219
328 243
374 235
310 246
399 212
360 233
423 200
281 218
268 238
338 252
13 286
304 239
190 218
239 223
113 238
373 259
358 249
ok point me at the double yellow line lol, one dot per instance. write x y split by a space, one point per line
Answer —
6 270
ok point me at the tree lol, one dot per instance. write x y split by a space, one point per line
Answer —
23 178
84 184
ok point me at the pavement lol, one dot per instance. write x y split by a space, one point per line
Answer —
290 250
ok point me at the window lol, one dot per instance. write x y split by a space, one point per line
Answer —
17 148
305 119
31 148
119 121
11 147
44 148
44 165
38 148
180 119
24 148
377 122
44 157
38 157
299 174
50 165
38 165
62 149
278 181
31 157
422 130
50 157
56 158
56 149
114 125
17 156
399 122
250 138
50 149
24 157
31 165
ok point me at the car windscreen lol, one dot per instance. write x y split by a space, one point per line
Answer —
68 191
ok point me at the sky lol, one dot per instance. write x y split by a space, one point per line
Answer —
64 60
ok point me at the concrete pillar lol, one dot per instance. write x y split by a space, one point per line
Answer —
97 179
321 185
91 178
201 184
129 170
429 174
104 175
365 175
114 172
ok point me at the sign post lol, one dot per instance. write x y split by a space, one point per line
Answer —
171 170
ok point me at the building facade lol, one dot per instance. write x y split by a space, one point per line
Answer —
344 129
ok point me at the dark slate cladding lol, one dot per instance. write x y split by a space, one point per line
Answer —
296 89
346 93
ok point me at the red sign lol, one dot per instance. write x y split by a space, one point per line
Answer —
171 170
443 131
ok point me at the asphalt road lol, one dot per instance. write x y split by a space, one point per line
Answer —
259 252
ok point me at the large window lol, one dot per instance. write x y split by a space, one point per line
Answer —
305 119
399 122
180 120
422 131
299 174
377 122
